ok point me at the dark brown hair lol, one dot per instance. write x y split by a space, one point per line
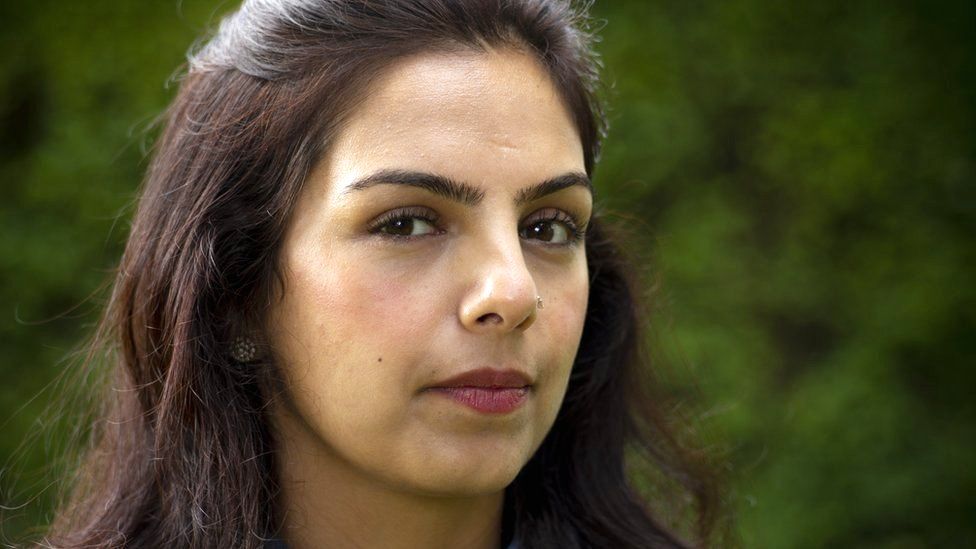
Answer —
183 455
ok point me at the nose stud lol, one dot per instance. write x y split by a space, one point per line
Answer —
538 302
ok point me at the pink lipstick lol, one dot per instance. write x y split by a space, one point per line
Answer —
487 391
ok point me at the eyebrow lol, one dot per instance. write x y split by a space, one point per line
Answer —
464 193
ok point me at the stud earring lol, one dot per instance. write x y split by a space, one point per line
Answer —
244 349
538 302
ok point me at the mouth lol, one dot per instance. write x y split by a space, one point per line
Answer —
486 378
486 390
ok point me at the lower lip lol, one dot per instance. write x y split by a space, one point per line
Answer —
501 400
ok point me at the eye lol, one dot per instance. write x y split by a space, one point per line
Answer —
553 227
407 223
547 231
407 226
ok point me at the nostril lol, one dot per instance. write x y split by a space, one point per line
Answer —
490 318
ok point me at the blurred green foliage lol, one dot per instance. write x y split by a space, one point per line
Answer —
800 173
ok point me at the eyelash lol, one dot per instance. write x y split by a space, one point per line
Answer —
575 230
397 215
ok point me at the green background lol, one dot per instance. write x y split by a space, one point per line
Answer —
798 175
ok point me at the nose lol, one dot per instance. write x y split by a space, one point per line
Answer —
502 296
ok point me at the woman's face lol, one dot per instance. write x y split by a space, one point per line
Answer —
450 200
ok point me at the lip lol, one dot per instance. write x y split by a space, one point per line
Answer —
486 378
486 390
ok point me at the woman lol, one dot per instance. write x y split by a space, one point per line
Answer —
366 302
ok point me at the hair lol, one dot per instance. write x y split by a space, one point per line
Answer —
183 453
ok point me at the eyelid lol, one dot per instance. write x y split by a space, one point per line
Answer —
421 212
558 214
571 220
407 211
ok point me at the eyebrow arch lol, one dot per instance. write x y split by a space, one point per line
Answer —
463 193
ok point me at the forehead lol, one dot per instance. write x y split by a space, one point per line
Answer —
481 117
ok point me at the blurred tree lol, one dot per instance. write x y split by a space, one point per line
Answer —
80 83
805 172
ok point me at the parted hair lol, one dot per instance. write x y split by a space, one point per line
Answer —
182 454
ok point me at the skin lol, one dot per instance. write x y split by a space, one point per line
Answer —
368 321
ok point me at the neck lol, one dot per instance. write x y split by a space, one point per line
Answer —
325 502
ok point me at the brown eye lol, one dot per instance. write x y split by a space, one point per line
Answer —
548 230
405 224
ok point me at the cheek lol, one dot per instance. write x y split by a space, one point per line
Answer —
348 328
342 333
566 309
382 306
564 314
357 304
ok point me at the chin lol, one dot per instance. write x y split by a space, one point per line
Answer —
469 487
467 475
